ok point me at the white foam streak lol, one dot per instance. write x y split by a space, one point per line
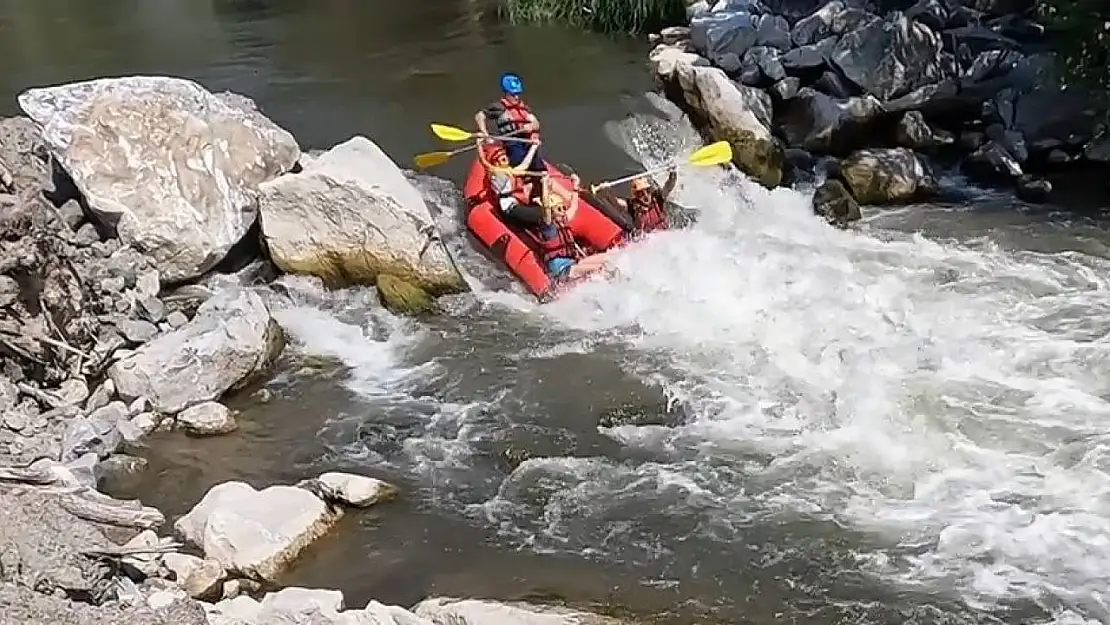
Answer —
949 397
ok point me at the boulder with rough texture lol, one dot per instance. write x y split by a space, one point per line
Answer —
253 533
173 167
887 175
832 19
357 491
835 203
231 337
209 418
732 115
351 215
890 57
401 297
815 121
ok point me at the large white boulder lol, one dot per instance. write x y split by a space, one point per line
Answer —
351 215
174 167
253 533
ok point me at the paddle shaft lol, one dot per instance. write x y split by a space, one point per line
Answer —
650 172
507 137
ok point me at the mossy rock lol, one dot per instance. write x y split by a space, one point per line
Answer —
402 297
835 203
362 267
759 157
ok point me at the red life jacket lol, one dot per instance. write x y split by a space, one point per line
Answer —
517 113
562 245
650 215
517 191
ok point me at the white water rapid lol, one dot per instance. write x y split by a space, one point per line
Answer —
945 399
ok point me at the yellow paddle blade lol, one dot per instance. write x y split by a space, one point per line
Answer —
450 133
717 153
431 159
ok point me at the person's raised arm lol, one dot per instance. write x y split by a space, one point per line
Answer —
480 122
669 185
533 122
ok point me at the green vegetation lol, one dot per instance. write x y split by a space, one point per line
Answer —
605 16
1080 33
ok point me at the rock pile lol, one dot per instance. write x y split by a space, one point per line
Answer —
890 88
137 217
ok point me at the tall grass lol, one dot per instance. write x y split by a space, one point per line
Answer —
605 16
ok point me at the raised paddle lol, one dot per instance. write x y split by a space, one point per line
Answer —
451 133
431 159
717 153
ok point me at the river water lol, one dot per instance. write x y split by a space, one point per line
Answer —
757 419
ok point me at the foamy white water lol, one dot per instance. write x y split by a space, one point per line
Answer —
948 399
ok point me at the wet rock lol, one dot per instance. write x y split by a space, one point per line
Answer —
887 175
146 422
1098 150
992 163
355 490
815 121
729 116
890 57
972 140
256 534
231 338
137 162
402 297
835 203
350 216
1033 190
207 419
913 132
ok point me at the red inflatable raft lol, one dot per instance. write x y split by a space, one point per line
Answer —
516 247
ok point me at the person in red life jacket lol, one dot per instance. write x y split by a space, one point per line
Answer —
647 204
562 256
512 186
510 115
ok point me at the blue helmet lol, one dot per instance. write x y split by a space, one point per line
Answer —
512 84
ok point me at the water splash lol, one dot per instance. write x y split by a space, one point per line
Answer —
948 399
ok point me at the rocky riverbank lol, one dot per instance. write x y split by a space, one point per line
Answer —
878 98
141 220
